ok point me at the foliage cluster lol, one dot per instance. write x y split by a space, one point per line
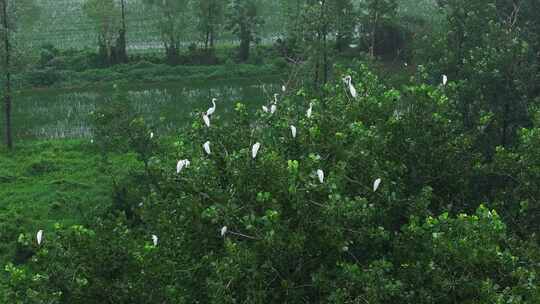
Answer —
303 218
420 237
146 72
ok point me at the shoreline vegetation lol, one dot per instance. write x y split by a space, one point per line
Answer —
137 74
77 69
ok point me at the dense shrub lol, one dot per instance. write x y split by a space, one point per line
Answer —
43 77
291 235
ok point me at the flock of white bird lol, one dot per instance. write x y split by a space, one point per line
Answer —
184 163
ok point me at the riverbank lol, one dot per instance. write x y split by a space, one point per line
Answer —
141 73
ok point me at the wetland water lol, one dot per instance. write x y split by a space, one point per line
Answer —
47 114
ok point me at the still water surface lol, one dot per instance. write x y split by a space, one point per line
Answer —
64 113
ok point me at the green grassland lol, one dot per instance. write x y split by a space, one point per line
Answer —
43 183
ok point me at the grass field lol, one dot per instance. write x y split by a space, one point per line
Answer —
43 183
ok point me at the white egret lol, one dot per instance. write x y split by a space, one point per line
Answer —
206 120
206 147
293 131
213 108
273 109
376 184
151 135
184 163
265 109
320 174
283 88
255 150
352 90
444 80
39 236
275 98
154 239
223 231
310 110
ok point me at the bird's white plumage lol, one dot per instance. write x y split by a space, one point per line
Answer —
293 131
39 237
265 109
273 109
309 111
320 175
151 135
206 147
154 239
352 89
212 109
223 230
444 80
255 149
376 184
283 88
184 163
206 120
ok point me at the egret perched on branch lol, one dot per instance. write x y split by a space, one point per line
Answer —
255 150
310 110
213 108
348 82
376 184
39 236
283 88
184 163
206 147
223 231
273 109
444 80
151 135
206 120
320 174
154 239
293 131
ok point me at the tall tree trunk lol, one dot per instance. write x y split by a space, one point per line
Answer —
210 27
7 74
245 41
373 34
121 56
324 38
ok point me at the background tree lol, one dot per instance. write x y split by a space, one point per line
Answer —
15 16
108 20
121 48
345 22
377 14
318 19
493 65
211 17
243 20
174 20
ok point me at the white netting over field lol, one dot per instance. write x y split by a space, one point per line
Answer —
64 24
